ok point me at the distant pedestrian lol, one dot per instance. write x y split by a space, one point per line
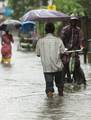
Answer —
6 49
50 48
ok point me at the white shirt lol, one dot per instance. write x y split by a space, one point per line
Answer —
49 49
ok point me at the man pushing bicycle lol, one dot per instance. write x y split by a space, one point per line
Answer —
73 38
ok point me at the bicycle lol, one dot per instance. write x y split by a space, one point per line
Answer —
75 71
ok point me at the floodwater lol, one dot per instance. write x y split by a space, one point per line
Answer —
22 92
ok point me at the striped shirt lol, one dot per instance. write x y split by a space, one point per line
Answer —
49 49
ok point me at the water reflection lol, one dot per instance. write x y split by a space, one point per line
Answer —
52 109
24 88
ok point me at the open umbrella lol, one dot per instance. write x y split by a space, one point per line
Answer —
27 26
3 27
10 24
44 15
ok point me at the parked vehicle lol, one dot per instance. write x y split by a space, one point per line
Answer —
28 36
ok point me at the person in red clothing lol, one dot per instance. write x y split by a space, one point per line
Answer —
6 49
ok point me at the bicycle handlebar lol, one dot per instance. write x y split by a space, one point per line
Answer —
73 51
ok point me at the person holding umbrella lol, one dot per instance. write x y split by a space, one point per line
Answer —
6 49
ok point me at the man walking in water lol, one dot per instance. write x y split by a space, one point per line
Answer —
50 49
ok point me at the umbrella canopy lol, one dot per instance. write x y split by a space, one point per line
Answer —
3 27
43 14
10 24
27 26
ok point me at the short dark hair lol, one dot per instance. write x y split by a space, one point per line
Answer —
49 28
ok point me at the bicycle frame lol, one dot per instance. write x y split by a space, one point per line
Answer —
72 60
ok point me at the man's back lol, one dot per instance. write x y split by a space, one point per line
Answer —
50 49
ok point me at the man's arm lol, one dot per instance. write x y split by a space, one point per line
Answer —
38 49
81 37
61 48
63 36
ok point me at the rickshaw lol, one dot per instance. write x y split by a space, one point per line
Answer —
28 36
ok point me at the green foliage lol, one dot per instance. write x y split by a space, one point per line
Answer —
86 5
20 7
71 6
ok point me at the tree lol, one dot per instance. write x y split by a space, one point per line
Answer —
86 5
69 7
19 7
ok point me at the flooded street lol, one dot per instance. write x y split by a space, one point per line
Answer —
22 92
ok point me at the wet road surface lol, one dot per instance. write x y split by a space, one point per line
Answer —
22 92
